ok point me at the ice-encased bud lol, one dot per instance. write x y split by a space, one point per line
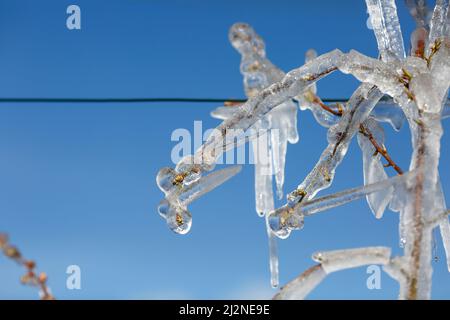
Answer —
178 219
244 38
310 55
283 220
418 41
190 170
295 197
165 179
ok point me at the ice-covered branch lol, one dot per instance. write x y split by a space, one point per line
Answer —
384 20
418 85
190 168
174 207
290 217
329 262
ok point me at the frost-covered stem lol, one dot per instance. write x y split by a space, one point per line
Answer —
428 132
418 225
329 262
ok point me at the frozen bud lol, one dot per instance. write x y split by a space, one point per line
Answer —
418 41
311 54
166 179
11 252
30 264
245 40
3 239
178 219
27 278
188 171
42 277
296 196
283 220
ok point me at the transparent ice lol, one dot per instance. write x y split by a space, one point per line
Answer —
403 85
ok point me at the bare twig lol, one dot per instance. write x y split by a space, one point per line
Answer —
379 149
363 130
31 277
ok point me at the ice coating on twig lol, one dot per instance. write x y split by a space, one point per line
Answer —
384 20
190 168
339 136
290 217
397 268
337 260
388 111
293 83
417 89
362 101
373 169
174 207
301 286
444 224
332 261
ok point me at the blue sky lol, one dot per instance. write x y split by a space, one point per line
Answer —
78 181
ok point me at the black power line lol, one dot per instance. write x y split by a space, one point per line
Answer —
385 99
131 100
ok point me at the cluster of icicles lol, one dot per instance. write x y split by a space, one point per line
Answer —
394 88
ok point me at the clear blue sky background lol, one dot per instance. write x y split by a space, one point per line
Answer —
78 184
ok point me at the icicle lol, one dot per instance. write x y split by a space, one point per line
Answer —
283 130
273 256
384 20
263 172
258 74
446 112
372 167
390 113
444 225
